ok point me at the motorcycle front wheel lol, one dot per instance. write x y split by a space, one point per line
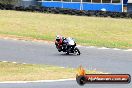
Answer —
77 51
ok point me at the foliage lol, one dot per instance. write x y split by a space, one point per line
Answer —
9 1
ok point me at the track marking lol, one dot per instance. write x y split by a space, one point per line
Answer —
128 50
4 61
79 46
24 63
38 81
116 49
91 47
14 62
103 48
62 67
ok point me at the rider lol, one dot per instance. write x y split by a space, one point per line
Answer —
59 42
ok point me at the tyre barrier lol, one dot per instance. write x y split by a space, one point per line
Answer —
66 11
6 7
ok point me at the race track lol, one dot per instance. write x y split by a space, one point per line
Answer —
65 84
106 60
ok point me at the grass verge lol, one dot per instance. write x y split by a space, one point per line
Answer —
31 72
90 31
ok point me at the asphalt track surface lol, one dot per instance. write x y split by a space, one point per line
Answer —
106 60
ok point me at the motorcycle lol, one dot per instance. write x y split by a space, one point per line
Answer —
69 46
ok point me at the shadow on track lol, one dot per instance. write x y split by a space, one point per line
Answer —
63 54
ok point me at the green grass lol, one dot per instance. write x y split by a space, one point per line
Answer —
89 31
30 72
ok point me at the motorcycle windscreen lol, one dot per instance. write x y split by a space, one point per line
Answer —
70 41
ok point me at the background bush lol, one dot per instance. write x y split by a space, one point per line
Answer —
13 2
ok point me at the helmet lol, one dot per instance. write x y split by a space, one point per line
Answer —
58 37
